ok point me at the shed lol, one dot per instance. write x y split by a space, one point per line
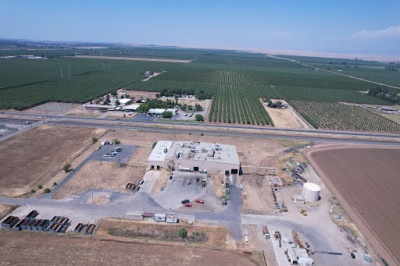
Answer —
172 218
160 217
297 198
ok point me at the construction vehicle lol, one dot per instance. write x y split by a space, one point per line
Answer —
266 232
284 208
278 237
303 212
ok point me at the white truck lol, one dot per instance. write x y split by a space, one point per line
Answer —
266 232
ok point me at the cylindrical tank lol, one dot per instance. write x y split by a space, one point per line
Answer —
311 192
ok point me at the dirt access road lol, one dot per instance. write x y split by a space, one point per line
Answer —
133 58
366 181
41 249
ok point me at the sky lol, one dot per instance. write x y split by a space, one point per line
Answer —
351 26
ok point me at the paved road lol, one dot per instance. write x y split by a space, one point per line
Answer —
203 127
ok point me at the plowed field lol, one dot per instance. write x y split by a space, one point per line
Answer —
366 181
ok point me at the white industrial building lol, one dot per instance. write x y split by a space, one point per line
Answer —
194 156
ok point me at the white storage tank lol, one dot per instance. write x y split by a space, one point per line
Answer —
311 192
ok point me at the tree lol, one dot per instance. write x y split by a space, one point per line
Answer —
67 167
40 186
184 107
158 95
198 108
154 144
117 103
199 117
33 191
114 93
190 107
47 190
167 114
116 141
278 104
94 140
143 108
54 183
182 232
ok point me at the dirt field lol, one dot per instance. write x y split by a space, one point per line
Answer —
283 118
149 230
101 175
133 58
140 94
365 181
257 196
40 249
34 157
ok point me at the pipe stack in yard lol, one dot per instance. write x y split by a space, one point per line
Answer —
58 224
297 178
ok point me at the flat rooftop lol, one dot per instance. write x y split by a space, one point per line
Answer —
160 151
203 151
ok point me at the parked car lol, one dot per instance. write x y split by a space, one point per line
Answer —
199 201
118 149
107 155
138 188
185 201
227 185
224 201
188 205
161 188
141 182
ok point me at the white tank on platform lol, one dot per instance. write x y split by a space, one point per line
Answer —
311 192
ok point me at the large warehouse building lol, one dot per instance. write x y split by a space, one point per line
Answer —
194 156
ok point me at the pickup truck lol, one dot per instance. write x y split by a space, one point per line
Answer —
266 232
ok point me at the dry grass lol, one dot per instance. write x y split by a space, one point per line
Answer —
283 118
101 175
34 157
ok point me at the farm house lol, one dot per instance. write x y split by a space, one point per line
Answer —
194 157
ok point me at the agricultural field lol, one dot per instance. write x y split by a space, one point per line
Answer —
234 80
26 83
338 116
365 181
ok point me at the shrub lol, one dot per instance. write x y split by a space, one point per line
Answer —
67 167
116 141
94 140
54 183
182 232
167 114
154 144
40 186
199 117
47 190
33 191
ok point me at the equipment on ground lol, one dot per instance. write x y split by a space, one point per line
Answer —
303 212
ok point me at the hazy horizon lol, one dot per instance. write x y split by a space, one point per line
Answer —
340 27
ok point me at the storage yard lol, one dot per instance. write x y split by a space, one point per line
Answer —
366 183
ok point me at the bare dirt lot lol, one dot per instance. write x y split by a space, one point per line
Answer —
140 94
283 118
366 182
101 175
134 58
34 157
40 249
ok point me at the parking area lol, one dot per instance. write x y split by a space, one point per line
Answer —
104 153
144 118
182 186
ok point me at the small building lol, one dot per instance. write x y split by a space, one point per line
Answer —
131 108
124 101
299 256
156 111
297 198
148 214
172 218
95 107
148 73
388 109
160 217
